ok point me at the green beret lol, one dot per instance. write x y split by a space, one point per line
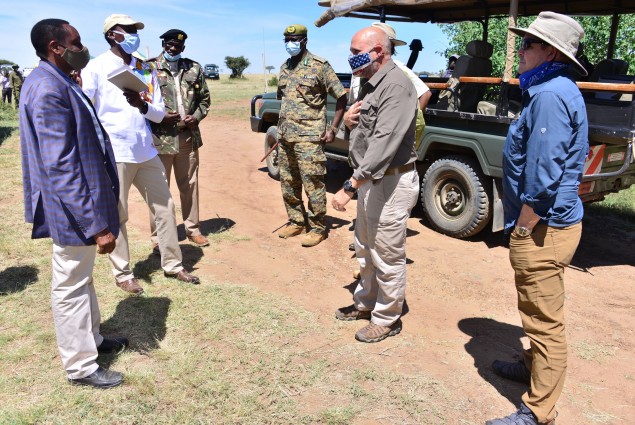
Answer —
174 35
295 29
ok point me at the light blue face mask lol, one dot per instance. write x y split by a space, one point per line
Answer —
130 42
168 57
293 48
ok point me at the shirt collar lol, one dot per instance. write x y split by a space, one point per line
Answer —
376 79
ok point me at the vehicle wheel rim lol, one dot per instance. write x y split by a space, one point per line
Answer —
450 198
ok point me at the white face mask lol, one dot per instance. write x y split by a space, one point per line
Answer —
130 42
293 47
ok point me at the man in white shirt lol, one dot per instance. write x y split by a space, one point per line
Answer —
123 115
5 84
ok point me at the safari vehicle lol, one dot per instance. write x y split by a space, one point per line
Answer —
460 152
211 71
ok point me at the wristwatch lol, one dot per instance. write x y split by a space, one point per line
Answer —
522 231
348 187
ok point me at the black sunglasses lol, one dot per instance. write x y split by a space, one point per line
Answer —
526 43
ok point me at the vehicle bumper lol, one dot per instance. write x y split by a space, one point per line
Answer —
256 124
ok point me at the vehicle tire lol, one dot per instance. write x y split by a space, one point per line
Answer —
455 196
272 160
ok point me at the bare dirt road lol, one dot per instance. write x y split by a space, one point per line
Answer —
461 312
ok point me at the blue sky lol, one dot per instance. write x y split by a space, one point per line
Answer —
215 28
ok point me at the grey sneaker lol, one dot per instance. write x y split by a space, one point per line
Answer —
524 416
376 333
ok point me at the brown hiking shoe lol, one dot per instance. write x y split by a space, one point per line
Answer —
312 239
199 240
131 285
290 230
376 333
351 313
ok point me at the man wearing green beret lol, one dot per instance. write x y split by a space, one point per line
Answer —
304 83
177 137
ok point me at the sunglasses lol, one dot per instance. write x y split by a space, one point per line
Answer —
526 43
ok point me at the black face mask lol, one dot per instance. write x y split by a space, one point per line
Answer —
77 60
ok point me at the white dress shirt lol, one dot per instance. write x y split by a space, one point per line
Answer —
129 131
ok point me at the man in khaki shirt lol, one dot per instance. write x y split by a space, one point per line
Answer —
382 135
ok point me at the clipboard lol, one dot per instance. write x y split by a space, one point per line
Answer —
126 79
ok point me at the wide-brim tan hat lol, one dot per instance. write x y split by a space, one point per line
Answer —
390 32
560 31
120 19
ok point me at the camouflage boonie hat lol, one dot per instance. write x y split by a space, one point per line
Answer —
295 29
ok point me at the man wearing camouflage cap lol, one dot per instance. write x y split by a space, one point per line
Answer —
304 83
177 137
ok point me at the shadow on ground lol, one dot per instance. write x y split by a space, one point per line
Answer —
142 320
5 132
143 269
17 278
492 340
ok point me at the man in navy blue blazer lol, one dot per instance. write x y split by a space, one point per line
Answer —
71 192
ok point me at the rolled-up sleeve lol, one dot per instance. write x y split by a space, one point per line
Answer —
549 126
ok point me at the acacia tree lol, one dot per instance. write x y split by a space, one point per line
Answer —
596 38
270 68
237 65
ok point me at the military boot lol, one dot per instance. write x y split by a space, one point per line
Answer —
312 239
290 230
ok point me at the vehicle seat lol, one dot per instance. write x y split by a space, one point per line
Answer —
476 63
608 67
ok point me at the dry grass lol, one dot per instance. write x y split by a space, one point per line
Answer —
215 353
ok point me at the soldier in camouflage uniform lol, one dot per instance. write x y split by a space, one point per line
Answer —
177 137
304 83
15 80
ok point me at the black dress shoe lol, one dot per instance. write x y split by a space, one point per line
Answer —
515 371
115 344
101 378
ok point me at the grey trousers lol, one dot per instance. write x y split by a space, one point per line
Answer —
383 208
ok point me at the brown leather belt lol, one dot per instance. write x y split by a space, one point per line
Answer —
400 170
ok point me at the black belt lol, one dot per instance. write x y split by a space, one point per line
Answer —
400 170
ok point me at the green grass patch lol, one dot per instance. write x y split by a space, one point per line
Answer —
621 204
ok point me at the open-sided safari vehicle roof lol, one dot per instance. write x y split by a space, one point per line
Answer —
447 11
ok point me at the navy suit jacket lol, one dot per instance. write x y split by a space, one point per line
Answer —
71 189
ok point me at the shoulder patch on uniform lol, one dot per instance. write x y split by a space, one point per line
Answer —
319 59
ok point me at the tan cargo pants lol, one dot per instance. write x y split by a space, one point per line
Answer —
539 261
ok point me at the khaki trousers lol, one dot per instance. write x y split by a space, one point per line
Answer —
185 164
75 309
383 208
149 178
539 261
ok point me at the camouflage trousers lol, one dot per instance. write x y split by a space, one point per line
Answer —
303 164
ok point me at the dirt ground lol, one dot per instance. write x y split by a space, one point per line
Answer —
461 312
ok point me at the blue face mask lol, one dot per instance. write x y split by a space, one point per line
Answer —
359 61
293 48
168 57
130 42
